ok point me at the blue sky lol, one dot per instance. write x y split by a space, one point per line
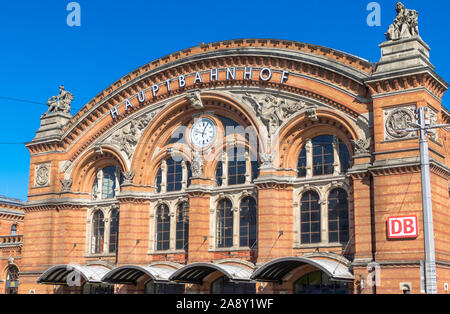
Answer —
39 51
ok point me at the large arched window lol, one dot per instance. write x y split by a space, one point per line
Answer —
173 175
98 233
338 222
114 231
247 223
224 224
310 218
162 228
324 151
12 280
182 232
236 166
319 283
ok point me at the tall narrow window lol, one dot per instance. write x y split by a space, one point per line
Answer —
219 174
247 223
301 165
310 218
109 183
344 156
236 166
162 228
323 155
158 181
182 232
338 224
174 175
224 224
114 231
98 232
14 230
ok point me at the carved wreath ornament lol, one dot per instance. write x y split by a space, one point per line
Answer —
398 120
42 175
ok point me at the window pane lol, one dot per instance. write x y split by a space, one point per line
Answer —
310 218
338 224
224 224
163 228
109 183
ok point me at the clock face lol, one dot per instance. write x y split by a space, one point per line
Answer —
203 132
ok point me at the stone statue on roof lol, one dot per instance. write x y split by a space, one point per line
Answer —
405 24
60 103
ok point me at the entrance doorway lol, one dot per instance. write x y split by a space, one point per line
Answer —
319 283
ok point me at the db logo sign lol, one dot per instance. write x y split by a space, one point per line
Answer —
402 227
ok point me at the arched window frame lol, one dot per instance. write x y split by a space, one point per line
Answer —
236 167
225 224
342 219
310 218
163 228
114 230
182 226
98 232
248 223
14 228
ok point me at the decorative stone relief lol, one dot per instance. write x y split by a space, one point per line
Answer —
195 100
405 24
273 111
396 120
42 175
66 185
362 146
197 165
128 177
434 134
266 160
128 136
64 166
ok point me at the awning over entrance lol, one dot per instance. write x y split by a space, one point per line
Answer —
277 269
130 274
195 273
57 275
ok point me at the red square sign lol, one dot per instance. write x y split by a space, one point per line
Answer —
404 227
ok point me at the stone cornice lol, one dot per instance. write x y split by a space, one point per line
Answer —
406 82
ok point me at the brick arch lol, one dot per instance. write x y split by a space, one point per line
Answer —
293 136
85 170
178 114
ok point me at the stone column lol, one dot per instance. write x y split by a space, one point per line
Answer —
337 161
323 221
309 158
184 175
236 227
225 169
248 168
163 176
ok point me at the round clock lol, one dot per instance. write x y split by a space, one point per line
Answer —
203 133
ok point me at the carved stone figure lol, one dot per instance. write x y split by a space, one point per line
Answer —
127 139
66 185
42 175
311 113
266 160
197 165
398 120
405 24
362 146
288 110
195 100
60 103
128 177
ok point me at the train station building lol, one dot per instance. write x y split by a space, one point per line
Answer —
241 166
